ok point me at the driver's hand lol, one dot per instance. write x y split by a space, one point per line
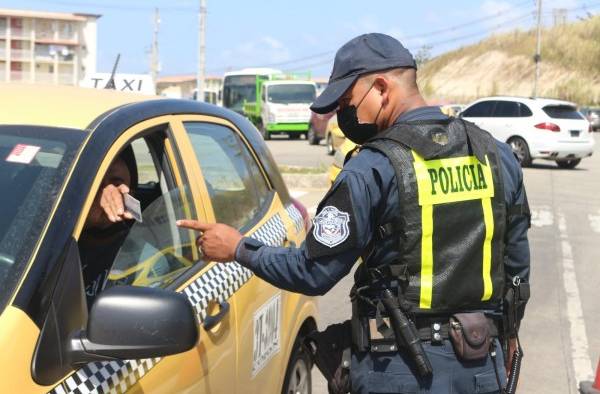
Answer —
112 203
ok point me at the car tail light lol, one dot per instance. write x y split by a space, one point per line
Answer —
304 213
548 126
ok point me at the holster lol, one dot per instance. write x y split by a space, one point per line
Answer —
330 351
515 300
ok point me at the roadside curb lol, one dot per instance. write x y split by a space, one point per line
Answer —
306 181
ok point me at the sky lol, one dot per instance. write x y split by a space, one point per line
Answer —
289 35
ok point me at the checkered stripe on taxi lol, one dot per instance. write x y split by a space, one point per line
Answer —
106 377
296 217
218 283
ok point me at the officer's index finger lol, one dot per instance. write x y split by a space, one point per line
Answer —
194 225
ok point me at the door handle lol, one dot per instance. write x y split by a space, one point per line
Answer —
212 320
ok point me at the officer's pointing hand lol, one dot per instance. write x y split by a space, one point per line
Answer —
218 242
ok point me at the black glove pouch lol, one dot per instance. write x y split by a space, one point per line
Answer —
470 335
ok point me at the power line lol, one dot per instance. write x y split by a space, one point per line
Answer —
463 37
465 24
470 35
114 6
421 35
481 32
510 22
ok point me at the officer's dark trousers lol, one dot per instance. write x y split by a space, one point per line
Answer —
392 373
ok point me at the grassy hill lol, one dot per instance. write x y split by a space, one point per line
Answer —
503 65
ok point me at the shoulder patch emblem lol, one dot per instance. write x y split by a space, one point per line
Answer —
331 226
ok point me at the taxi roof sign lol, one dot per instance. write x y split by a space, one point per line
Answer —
132 83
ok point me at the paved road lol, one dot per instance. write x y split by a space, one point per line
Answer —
563 316
299 153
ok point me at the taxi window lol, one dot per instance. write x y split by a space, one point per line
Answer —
156 251
238 191
153 252
146 168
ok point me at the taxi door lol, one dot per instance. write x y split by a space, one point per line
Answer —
172 193
238 192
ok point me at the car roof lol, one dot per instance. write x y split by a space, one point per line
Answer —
59 106
539 101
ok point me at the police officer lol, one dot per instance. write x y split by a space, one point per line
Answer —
437 210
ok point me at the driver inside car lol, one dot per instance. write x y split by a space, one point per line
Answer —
107 223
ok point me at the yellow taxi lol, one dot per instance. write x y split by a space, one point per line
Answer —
339 157
334 137
164 320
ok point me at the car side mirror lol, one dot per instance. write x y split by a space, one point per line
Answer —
125 322
128 322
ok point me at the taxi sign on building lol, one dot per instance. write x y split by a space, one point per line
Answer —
133 83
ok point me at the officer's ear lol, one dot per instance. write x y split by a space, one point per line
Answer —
382 85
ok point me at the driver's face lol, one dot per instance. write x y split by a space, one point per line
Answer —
117 174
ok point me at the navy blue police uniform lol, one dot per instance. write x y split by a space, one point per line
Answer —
365 195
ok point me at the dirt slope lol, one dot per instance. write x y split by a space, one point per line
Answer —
503 65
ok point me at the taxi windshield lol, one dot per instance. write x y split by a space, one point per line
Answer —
33 165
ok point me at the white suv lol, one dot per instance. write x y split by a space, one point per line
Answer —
536 128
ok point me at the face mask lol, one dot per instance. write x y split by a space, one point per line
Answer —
355 131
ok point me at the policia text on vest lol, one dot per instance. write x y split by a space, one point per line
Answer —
460 175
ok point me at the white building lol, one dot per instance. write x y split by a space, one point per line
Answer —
184 86
47 47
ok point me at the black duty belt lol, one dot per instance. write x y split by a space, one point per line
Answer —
430 329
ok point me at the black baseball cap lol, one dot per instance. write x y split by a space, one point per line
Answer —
362 55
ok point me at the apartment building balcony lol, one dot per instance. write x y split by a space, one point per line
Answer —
62 36
66 78
44 77
20 76
42 34
20 33
43 58
20 54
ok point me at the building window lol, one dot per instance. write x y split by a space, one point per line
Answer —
66 31
44 29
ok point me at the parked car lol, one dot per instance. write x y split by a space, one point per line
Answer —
167 320
317 127
452 109
536 128
593 116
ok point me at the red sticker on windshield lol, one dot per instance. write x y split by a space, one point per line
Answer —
23 154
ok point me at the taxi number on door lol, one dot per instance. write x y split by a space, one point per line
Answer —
267 323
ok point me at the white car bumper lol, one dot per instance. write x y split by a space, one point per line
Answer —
565 150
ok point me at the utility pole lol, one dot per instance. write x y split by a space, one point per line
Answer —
201 52
154 60
538 56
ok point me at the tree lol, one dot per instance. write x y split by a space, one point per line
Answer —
423 55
